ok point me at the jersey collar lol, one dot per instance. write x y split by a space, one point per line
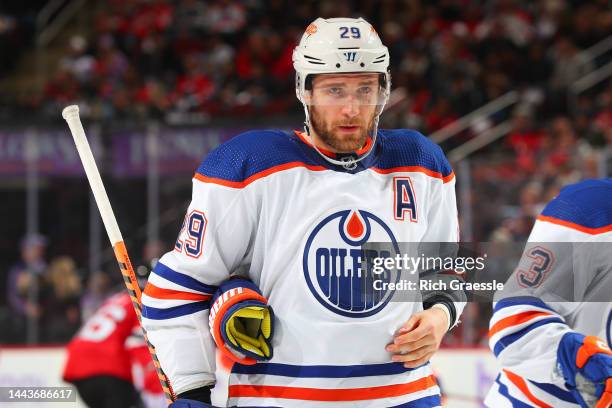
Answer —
333 155
362 165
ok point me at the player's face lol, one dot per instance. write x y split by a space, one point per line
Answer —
342 109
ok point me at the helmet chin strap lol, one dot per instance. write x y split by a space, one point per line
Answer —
347 162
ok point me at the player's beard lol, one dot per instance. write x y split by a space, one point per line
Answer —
341 142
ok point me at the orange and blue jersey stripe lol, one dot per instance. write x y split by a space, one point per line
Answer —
403 383
575 226
528 314
579 207
322 371
258 154
334 394
527 390
171 294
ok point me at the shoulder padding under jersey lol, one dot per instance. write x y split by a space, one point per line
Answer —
585 205
252 153
409 148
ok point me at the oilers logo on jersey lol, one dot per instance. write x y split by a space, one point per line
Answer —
335 274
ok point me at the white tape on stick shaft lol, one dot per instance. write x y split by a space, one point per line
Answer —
71 115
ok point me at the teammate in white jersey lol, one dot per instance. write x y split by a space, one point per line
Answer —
551 326
290 212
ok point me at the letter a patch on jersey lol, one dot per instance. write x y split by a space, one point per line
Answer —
404 199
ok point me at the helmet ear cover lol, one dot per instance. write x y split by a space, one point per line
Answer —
308 82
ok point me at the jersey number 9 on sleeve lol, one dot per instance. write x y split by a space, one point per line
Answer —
191 236
542 263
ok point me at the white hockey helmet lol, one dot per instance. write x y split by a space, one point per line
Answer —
340 45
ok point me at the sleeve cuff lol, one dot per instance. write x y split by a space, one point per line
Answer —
446 305
444 308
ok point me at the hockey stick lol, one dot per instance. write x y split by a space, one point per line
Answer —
71 115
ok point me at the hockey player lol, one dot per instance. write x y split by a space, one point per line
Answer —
104 355
551 328
286 215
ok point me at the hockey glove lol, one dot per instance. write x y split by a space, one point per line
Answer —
586 364
241 322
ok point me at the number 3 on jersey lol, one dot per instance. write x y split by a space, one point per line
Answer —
191 236
541 264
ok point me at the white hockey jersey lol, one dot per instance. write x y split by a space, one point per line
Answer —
563 283
267 206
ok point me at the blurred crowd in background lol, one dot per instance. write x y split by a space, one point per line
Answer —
54 296
189 61
156 58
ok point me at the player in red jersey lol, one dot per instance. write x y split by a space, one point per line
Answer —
103 355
